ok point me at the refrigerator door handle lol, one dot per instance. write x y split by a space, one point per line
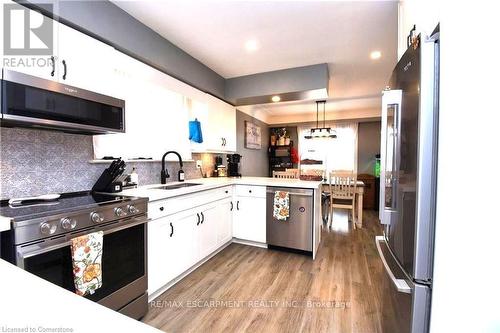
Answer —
400 284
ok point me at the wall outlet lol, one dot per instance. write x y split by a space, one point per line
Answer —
198 164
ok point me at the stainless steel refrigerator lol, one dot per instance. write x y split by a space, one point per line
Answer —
408 190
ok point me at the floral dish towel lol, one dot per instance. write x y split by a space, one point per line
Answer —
281 205
87 262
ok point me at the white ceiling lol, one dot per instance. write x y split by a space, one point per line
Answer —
289 34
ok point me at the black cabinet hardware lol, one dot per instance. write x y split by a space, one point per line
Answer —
65 69
171 228
198 215
227 191
249 191
53 63
162 208
231 206
238 205
202 218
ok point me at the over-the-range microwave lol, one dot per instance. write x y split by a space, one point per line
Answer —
29 101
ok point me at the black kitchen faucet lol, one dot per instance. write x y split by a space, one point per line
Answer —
164 172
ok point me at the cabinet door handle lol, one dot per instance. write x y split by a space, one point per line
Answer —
238 205
198 215
231 206
172 229
225 142
202 218
53 61
249 191
65 69
162 208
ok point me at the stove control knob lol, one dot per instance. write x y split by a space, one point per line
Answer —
96 218
67 223
47 228
120 212
132 209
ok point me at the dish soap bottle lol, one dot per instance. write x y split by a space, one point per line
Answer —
134 177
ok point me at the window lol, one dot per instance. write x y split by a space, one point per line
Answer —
340 153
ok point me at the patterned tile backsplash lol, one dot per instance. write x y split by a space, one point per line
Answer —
35 162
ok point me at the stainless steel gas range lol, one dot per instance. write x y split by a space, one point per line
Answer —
40 242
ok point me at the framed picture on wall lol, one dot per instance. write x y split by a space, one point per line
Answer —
252 136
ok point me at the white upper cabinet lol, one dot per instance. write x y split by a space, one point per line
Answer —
155 118
42 66
85 62
218 124
76 59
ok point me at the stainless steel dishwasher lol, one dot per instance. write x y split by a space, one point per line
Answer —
296 232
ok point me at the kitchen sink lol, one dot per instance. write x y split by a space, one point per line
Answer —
176 186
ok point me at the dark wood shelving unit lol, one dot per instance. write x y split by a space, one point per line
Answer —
280 158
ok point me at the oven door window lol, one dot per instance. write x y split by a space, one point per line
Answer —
123 261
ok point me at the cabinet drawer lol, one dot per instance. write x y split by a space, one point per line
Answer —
250 191
173 205
157 209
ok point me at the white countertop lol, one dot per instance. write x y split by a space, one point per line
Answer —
149 191
31 302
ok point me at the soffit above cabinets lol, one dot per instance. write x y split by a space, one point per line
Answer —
293 84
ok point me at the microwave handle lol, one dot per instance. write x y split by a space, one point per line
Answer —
24 253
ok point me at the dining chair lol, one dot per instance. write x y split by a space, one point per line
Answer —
342 185
285 174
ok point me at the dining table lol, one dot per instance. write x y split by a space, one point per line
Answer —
360 188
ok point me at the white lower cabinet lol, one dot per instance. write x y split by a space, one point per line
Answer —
171 247
178 241
224 220
249 214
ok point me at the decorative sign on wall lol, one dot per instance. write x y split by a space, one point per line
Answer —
252 136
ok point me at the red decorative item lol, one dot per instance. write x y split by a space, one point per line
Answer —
294 155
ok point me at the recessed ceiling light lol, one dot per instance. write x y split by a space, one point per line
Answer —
251 45
375 55
276 99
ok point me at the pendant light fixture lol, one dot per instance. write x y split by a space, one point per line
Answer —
321 132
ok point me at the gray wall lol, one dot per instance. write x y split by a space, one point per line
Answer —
254 162
35 162
114 26
368 146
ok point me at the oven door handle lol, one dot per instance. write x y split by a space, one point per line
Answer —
24 253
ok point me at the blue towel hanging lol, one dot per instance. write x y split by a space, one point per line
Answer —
195 131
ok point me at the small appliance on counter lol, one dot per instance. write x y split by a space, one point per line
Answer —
233 165
220 169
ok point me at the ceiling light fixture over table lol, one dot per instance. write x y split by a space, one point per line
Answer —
276 99
321 132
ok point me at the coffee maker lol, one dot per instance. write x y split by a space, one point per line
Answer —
233 164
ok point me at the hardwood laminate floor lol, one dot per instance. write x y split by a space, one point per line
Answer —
249 289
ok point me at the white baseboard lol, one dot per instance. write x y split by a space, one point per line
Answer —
251 243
